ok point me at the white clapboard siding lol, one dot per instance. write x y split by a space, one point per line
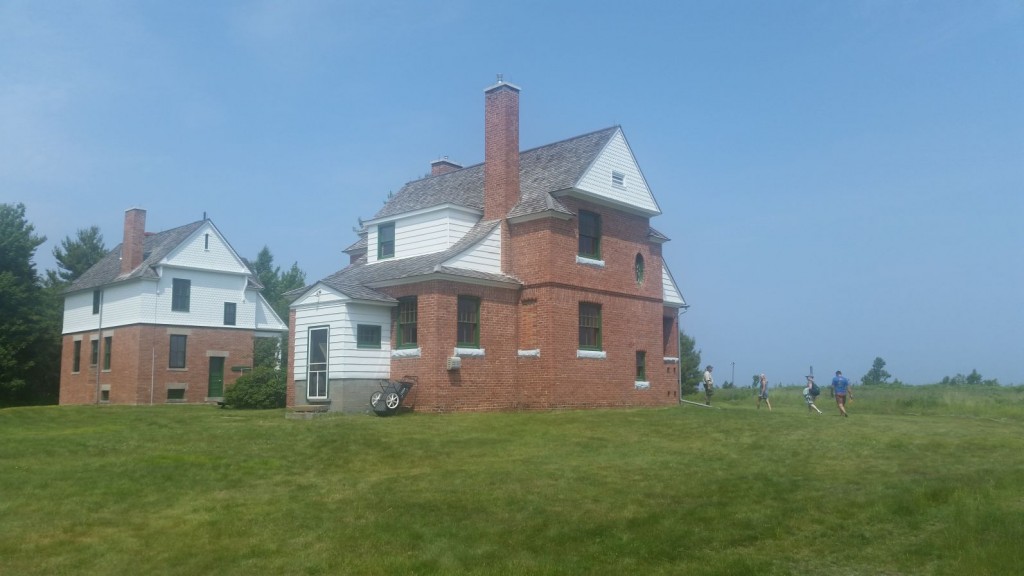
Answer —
670 290
423 232
484 256
617 157
206 249
146 301
345 358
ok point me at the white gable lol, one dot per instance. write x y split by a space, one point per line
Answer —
670 291
615 177
319 294
484 256
206 249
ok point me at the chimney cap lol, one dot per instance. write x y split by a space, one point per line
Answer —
500 83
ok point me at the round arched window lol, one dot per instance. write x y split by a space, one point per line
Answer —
638 267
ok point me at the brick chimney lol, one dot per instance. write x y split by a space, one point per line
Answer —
501 149
443 166
134 235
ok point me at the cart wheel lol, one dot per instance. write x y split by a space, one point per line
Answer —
392 400
376 398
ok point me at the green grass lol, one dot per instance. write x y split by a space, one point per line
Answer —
919 480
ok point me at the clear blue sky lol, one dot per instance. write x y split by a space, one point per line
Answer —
841 180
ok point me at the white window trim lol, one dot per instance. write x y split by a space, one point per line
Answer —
642 385
535 353
406 353
463 352
671 360
593 354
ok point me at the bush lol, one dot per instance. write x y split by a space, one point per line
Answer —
262 388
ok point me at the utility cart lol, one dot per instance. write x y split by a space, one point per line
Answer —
392 393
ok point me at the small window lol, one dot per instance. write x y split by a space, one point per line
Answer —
367 336
175 394
94 352
618 178
407 322
590 235
638 268
641 366
229 313
668 325
176 358
180 294
108 342
385 241
76 357
104 395
468 331
590 326
96 295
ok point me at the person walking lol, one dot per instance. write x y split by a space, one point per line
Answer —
763 393
709 384
843 391
811 392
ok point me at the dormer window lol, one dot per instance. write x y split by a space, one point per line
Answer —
385 241
618 179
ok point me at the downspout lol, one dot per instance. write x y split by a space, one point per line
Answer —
152 375
99 348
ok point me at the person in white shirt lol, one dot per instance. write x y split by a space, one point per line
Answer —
709 384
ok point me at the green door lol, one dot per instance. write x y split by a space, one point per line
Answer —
216 387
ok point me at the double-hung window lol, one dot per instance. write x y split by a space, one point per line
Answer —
385 241
407 322
108 342
590 326
96 295
641 366
230 309
94 352
76 360
590 235
180 294
316 369
468 331
176 355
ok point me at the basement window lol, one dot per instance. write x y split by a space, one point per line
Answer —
176 394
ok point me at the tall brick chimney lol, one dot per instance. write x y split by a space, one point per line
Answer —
134 236
501 149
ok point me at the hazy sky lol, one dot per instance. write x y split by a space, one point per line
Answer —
840 180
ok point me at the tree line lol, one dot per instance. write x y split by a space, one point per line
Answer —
32 304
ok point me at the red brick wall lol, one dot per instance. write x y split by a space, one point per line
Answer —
544 315
139 359
291 359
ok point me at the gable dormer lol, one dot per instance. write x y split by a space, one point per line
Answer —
418 232
614 179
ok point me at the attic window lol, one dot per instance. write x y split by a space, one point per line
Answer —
618 178
206 242
385 241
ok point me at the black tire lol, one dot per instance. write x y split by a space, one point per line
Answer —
376 398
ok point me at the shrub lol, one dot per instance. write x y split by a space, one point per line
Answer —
262 388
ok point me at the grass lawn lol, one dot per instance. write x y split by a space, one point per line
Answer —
918 480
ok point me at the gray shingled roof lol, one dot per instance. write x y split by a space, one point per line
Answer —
155 248
353 281
542 170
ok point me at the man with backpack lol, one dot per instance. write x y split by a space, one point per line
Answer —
811 393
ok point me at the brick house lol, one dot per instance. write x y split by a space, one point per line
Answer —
531 281
164 317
